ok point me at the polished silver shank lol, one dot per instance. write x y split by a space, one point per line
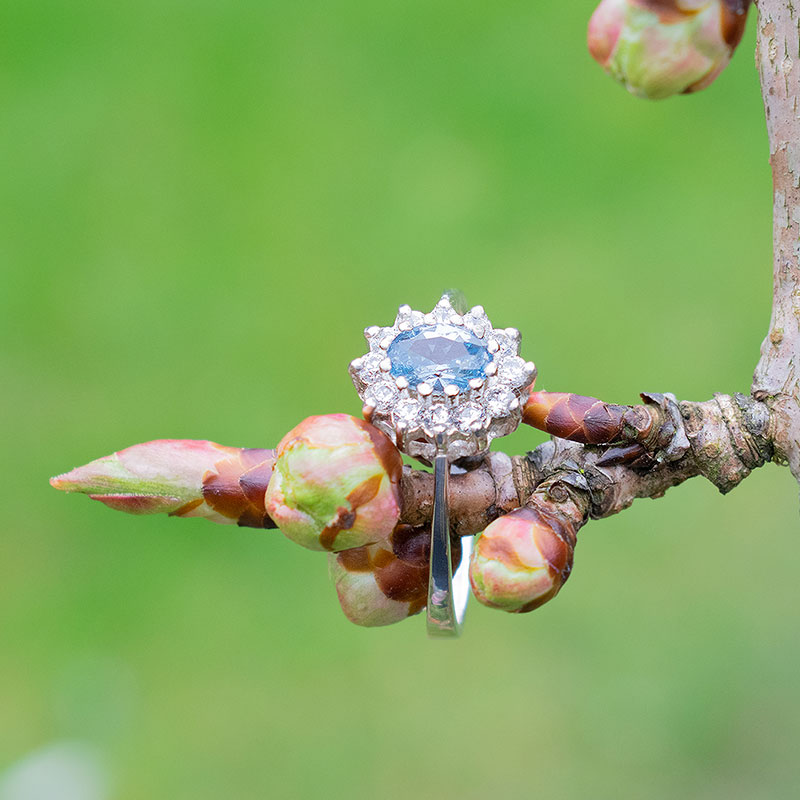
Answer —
443 616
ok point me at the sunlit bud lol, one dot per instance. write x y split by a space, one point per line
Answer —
522 559
658 48
182 477
335 484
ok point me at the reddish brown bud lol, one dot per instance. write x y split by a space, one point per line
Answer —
581 419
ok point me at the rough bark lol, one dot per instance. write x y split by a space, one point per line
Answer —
722 439
776 380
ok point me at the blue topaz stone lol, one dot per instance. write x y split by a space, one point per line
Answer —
438 354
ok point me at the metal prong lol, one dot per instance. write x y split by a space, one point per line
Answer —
493 346
386 341
457 320
401 383
491 369
477 311
385 365
357 363
451 390
424 389
476 383
403 319
514 335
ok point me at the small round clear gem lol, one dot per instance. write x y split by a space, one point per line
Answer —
371 364
380 394
407 412
498 402
440 415
437 418
513 370
469 416
477 326
506 344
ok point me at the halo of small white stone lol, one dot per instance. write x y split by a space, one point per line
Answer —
457 422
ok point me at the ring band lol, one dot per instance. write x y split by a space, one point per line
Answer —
447 595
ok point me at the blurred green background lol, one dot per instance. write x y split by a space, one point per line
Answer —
205 203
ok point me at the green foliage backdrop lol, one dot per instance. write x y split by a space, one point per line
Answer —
205 203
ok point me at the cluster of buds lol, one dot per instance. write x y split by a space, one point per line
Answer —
333 484
658 48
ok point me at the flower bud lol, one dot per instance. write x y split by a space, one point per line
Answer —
181 477
658 48
384 583
335 484
522 559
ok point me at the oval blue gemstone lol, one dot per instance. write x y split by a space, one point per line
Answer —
438 354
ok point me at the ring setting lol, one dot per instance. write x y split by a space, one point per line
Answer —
442 383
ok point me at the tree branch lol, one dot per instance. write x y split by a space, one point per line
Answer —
776 380
722 439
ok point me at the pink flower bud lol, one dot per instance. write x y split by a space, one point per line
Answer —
658 48
335 484
384 583
182 477
522 559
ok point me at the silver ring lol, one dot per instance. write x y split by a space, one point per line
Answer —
442 386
